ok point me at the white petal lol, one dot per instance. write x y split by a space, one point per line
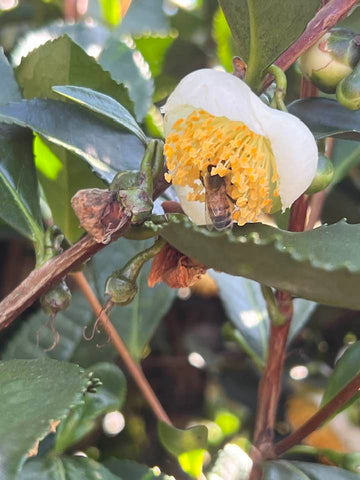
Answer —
194 210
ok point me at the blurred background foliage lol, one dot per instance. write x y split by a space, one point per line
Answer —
194 343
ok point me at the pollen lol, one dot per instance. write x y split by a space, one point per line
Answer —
243 158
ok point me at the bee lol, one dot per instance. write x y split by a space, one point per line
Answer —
218 205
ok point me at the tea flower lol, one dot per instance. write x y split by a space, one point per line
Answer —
214 123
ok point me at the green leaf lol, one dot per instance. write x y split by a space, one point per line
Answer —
321 265
327 118
10 91
345 155
264 30
63 62
105 147
35 394
346 368
154 49
188 446
137 322
246 308
104 105
33 338
118 59
19 197
144 17
285 470
65 468
222 36
61 174
83 418
111 11
129 470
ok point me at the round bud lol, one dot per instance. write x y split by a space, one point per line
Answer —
323 177
331 59
120 289
348 90
56 299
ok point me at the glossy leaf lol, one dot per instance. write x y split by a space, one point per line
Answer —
129 470
188 446
104 105
321 265
346 368
345 155
66 468
154 49
144 17
246 307
222 36
61 174
19 196
83 418
35 395
286 470
34 338
118 59
137 322
10 91
63 62
252 25
327 118
106 148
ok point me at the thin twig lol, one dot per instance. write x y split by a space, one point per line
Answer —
319 417
120 347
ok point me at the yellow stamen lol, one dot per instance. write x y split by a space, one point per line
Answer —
243 158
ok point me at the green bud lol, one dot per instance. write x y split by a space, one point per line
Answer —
120 289
352 462
348 90
56 299
323 177
331 59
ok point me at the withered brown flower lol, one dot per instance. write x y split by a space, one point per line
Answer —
174 268
99 213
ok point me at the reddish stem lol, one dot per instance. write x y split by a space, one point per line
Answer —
320 417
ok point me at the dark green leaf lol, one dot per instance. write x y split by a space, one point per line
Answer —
284 470
145 16
66 468
61 174
346 368
137 322
321 264
246 307
104 105
118 59
153 49
19 197
83 418
63 62
129 470
34 394
106 148
188 446
345 155
263 30
10 91
327 118
33 338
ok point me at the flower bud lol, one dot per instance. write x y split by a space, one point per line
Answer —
348 90
352 462
331 59
120 289
56 299
324 175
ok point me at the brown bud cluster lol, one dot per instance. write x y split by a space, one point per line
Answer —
175 269
99 213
